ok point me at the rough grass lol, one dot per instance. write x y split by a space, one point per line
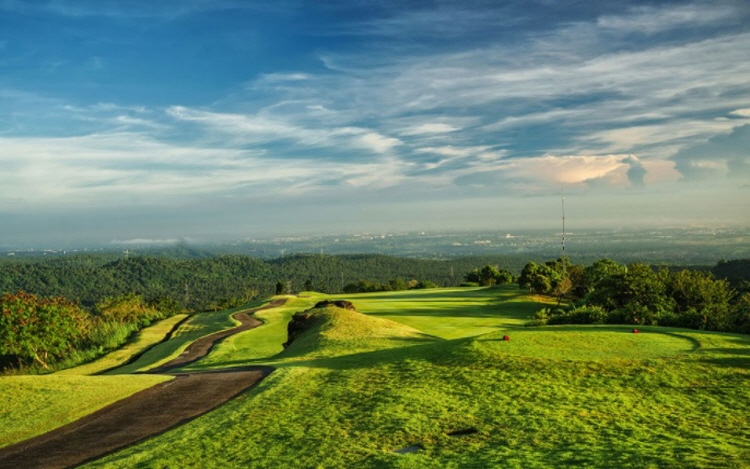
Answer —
143 340
197 326
32 405
352 391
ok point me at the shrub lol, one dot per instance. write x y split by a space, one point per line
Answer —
583 315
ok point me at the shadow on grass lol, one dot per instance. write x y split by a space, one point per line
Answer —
419 349
454 308
731 357
291 357
425 352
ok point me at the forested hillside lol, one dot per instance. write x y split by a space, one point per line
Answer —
217 282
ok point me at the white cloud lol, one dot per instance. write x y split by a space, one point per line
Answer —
570 169
656 19
430 128
379 143
741 113
454 152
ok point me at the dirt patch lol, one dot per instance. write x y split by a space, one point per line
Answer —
145 414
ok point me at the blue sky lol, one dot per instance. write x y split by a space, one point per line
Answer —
225 119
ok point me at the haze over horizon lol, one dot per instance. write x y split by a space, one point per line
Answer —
226 119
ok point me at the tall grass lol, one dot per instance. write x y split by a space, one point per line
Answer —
137 343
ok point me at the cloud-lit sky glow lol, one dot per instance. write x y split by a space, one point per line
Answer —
227 118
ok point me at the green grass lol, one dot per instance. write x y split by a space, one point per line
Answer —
354 389
143 340
197 326
445 313
422 365
263 342
455 312
32 405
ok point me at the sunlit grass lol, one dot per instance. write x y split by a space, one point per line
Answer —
143 340
455 312
354 389
197 326
262 342
32 405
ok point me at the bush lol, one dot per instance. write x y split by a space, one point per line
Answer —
668 319
633 314
536 323
469 284
424 284
583 315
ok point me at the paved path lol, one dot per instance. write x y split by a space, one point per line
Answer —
147 413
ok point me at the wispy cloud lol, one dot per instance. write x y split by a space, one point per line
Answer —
655 19
408 102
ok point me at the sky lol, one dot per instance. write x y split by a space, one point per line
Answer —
227 119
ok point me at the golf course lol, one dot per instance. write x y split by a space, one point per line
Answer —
444 377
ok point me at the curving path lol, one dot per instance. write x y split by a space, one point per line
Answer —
144 414
200 348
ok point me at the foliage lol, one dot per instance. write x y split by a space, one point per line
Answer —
541 278
579 315
740 314
49 331
211 283
702 298
398 284
40 329
489 275
638 294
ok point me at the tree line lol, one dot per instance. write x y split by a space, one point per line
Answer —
638 294
222 281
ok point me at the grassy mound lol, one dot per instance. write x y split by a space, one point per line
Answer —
335 331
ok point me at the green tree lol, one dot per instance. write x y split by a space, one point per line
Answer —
701 301
540 278
594 274
740 313
398 284
40 329
638 292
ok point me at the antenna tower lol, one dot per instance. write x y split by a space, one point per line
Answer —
562 194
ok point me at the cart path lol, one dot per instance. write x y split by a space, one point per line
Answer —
200 348
147 413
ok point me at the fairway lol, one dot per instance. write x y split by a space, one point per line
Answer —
451 313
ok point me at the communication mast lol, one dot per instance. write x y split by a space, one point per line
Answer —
562 196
